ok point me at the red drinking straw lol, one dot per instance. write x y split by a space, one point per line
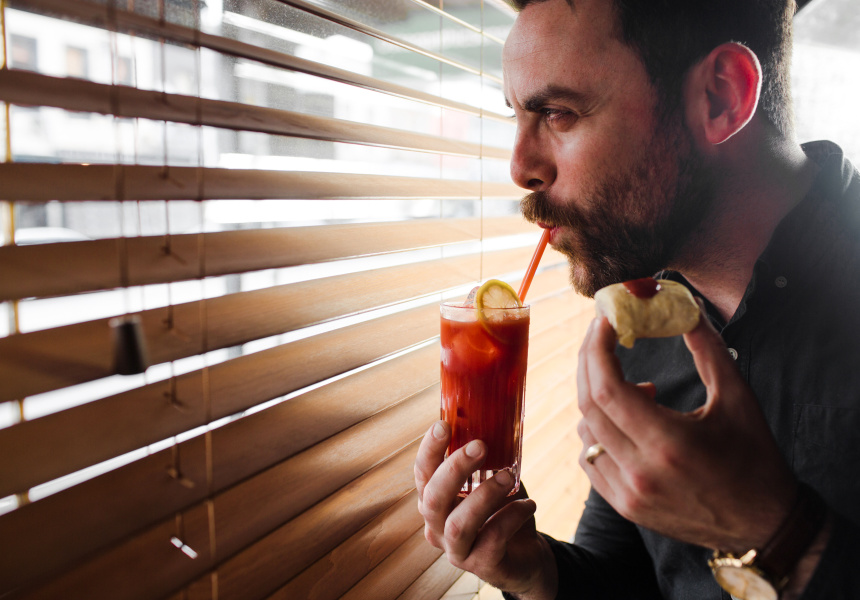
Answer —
530 272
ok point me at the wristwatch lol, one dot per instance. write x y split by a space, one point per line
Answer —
762 574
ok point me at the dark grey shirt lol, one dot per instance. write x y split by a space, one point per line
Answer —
796 334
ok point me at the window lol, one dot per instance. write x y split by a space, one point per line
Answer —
124 71
76 62
22 52
825 64
225 240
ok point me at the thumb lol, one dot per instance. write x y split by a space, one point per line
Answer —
713 361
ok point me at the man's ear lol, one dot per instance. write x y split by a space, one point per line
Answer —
723 91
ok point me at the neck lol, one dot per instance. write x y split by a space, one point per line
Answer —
756 191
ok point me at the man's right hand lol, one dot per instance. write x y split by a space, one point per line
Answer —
487 533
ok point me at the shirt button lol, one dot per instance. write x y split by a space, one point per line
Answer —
733 353
781 282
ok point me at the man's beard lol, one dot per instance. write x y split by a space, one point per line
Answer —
636 222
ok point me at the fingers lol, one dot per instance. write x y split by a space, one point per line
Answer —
440 494
648 388
470 516
452 524
603 471
431 453
599 347
491 543
713 361
617 412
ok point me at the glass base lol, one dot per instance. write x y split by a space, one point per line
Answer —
479 477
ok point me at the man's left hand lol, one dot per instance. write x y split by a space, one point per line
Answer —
712 477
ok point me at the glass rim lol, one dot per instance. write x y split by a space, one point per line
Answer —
459 305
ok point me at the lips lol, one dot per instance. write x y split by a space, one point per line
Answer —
554 232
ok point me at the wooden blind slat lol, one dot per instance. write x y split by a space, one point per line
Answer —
540 467
545 343
22 87
561 497
553 399
550 341
25 181
433 582
466 587
562 472
71 267
552 276
202 589
333 574
487 35
382 579
245 498
397 572
51 359
545 313
321 528
146 415
125 572
110 18
242 518
128 572
271 435
373 32
57 531
561 514
313 494
291 478
547 374
538 440
51 446
230 463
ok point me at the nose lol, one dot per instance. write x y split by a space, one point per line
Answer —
532 166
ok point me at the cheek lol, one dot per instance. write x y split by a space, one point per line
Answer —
582 160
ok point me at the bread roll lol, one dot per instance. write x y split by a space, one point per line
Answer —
672 310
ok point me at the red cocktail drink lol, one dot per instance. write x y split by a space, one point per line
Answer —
483 384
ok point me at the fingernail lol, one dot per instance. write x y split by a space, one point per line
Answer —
473 449
438 430
503 478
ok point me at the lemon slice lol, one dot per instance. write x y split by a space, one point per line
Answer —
491 297
495 294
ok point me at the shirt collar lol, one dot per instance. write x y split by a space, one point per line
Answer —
801 238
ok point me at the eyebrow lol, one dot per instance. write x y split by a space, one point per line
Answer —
554 93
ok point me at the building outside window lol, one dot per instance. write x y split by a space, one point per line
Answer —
22 52
76 62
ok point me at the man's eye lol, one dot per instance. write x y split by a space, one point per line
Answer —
553 115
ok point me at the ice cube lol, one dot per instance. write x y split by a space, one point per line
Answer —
470 299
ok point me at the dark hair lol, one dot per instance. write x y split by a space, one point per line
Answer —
671 36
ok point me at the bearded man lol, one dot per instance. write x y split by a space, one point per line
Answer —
657 137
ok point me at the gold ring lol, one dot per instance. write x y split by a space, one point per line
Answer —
593 452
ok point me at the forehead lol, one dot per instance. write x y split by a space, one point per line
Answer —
562 22
553 43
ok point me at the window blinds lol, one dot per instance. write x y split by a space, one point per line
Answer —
269 199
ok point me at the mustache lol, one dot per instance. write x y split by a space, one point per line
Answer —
538 207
